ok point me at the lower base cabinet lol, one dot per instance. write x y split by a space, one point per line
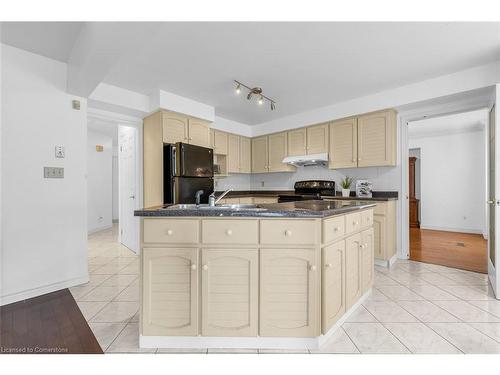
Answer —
289 292
333 285
229 292
353 287
170 291
367 260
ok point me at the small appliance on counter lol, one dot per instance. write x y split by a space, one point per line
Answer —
309 190
364 189
186 170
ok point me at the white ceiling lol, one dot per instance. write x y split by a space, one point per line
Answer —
450 124
301 65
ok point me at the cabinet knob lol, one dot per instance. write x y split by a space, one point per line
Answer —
170 232
193 267
205 267
229 232
354 160
328 265
354 223
288 233
359 159
336 229
312 268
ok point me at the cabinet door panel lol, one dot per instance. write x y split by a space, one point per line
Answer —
333 285
289 300
297 142
377 139
317 139
175 128
259 155
220 143
199 132
233 156
230 292
353 269
379 225
343 144
170 292
367 259
277 152
245 155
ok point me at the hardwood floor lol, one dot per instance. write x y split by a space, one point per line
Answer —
51 323
459 250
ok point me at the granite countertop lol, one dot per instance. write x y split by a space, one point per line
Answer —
306 209
377 196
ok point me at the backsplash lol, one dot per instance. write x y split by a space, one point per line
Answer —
383 178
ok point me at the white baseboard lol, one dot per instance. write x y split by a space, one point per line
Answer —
211 342
35 292
104 227
386 263
447 229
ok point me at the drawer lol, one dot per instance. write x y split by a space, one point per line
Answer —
232 231
288 232
333 228
171 231
367 218
352 222
246 200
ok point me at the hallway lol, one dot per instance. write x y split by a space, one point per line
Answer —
459 250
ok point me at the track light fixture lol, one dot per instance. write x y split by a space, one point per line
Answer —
257 91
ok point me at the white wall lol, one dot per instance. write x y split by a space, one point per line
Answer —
99 182
45 236
116 203
452 181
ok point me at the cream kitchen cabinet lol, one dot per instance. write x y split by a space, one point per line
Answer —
233 154
353 285
317 139
333 284
365 141
175 127
229 292
220 140
384 228
245 155
297 142
260 152
198 132
343 144
289 292
377 139
170 291
367 260
277 151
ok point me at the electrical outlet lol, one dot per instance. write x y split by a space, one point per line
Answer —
60 153
53 172
262 183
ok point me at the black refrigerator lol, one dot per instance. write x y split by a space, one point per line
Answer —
187 169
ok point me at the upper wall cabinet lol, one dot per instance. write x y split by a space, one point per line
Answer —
198 132
259 155
277 151
365 141
297 142
317 139
181 128
219 143
245 155
233 159
377 139
344 144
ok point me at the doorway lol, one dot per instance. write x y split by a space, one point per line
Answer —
447 190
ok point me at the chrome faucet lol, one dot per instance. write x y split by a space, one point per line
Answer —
211 198
197 196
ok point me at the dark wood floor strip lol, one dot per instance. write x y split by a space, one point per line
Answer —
51 323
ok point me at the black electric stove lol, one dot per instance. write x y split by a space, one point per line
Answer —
309 190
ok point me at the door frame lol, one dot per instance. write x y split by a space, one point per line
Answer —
135 122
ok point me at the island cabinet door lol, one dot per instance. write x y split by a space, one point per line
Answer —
170 292
367 260
333 284
379 225
229 297
353 287
289 292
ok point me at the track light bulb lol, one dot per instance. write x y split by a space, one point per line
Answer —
273 106
261 100
238 89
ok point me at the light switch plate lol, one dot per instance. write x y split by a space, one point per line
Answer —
60 152
53 172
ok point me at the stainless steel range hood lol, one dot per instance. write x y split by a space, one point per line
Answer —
307 160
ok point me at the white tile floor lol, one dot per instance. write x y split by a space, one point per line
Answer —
414 308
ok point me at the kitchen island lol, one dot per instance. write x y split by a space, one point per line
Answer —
282 275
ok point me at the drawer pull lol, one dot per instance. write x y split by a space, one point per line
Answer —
170 232
205 267
193 267
355 223
328 265
229 232
336 229
312 268
288 233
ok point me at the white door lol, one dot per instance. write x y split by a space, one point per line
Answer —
494 202
127 187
